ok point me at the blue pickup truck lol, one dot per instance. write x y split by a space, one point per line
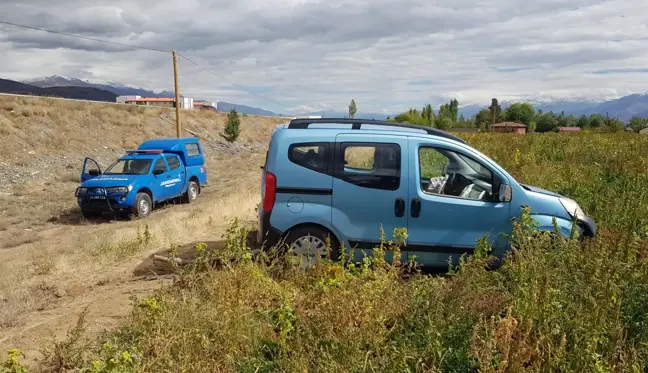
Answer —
159 170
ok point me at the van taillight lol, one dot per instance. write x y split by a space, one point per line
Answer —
270 191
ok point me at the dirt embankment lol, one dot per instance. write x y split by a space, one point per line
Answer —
54 262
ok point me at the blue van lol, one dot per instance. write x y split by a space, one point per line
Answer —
345 178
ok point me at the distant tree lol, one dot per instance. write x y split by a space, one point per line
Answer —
520 112
412 116
638 123
614 125
596 120
450 110
483 119
232 130
531 127
546 122
443 123
583 121
352 109
495 111
428 114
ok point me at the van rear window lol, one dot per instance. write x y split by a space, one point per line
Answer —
313 156
192 149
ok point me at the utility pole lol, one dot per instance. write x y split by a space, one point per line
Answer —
177 95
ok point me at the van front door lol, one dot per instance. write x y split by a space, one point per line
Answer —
370 189
453 202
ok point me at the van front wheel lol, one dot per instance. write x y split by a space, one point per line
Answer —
309 242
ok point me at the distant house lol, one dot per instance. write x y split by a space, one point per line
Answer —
509 127
568 129
204 105
644 131
185 102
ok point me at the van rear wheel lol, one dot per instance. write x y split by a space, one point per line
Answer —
309 242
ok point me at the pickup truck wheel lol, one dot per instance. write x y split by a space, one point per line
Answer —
143 205
192 192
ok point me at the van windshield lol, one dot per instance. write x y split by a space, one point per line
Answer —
129 167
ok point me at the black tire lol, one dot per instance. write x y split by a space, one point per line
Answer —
90 214
143 205
315 232
192 192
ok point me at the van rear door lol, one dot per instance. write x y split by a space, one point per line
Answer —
370 188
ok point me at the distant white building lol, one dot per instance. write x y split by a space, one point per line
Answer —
185 102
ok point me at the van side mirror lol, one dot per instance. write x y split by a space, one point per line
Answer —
93 172
505 193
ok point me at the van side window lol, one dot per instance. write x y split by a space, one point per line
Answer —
192 149
160 165
448 173
371 165
313 156
174 162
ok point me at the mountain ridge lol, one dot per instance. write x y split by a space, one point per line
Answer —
622 108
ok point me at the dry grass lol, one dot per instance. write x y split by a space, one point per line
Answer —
46 126
48 249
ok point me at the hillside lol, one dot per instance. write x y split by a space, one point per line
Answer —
55 263
73 92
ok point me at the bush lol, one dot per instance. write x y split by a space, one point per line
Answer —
232 129
554 304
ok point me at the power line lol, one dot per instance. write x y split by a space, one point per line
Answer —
84 37
143 48
231 82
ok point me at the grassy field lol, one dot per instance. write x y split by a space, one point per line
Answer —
554 306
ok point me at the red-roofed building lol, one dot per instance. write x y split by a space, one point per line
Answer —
509 127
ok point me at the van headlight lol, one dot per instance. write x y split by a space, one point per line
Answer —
118 189
572 207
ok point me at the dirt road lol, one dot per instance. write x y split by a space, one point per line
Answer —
53 270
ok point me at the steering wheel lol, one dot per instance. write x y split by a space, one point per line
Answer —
447 187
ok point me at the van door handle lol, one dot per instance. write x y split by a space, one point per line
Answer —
399 207
416 207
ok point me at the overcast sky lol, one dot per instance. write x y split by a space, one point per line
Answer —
318 54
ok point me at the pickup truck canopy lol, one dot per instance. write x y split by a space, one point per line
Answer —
187 148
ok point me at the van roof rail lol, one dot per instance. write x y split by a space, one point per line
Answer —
357 124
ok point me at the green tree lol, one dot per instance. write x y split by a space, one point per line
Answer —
596 120
638 123
352 109
443 123
521 112
613 125
483 119
412 116
532 126
495 111
450 110
583 121
232 130
546 122
428 114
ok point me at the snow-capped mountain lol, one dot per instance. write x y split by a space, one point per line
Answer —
622 108
116 88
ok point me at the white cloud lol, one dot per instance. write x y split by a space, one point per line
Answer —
386 54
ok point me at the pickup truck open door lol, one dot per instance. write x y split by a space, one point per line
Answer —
90 170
